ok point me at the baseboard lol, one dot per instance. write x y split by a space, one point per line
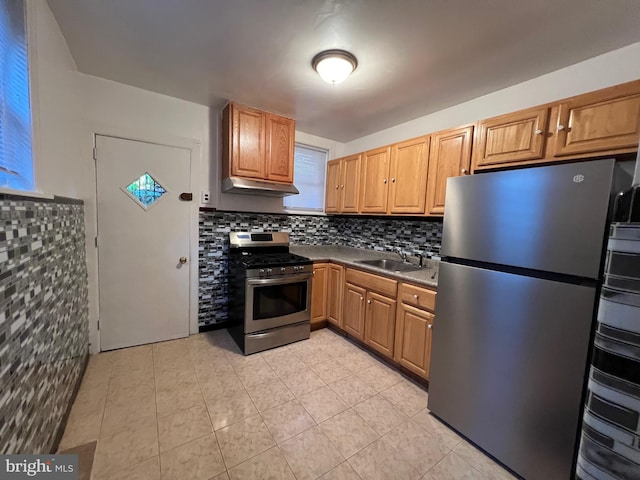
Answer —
65 417
214 326
318 325
423 382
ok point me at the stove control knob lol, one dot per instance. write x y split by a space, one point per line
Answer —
283 269
261 272
269 271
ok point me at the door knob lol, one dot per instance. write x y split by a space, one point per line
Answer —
429 325
538 132
369 302
183 260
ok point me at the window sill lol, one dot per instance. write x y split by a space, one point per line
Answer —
293 211
25 193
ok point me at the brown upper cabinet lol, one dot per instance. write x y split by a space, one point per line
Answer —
597 123
257 144
408 172
343 185
374 180
450 157
605 122
515 137
391 179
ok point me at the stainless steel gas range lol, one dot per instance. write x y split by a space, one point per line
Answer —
269 291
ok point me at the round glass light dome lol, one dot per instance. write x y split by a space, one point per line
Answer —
334 66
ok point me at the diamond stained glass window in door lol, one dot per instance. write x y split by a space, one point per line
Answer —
145 191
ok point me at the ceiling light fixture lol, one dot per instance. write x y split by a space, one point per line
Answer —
334 66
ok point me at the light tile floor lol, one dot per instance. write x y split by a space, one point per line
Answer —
197 409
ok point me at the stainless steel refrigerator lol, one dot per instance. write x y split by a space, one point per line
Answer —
517 291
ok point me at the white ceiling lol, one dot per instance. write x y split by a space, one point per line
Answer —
415 56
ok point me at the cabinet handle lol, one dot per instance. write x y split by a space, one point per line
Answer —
393 180
560 127
429 325
384 181
538 132
463 171
361 298
314 272
369 302
342 187
415 297
337 187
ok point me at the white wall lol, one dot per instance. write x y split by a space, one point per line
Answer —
56 104
618 66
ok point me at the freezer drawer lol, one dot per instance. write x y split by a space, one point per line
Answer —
508 365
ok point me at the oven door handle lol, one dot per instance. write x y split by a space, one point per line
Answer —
279 280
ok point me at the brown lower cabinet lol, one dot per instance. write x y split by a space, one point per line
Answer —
414 323
335 287
353 310
413 339
380 323
394 319
319 294
369 312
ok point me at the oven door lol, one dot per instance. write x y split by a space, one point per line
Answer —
275 302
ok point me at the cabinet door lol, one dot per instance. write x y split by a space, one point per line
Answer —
335 288
413 339
280 134
248 142
380 323
511 138
350 184
607 121
353 311
450 157
409 165
319 293
374 181
332 195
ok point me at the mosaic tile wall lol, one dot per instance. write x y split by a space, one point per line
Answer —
413 236
44 334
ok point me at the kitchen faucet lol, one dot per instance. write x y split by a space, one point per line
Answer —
402 254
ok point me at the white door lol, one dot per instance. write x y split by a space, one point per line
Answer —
143 236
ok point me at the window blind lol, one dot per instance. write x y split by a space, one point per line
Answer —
16 162
308 176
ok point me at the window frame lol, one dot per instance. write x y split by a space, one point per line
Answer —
305 211
30 39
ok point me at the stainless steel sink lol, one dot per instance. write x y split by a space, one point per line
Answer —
391 265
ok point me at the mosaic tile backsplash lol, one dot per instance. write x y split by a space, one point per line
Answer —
44 334
413 236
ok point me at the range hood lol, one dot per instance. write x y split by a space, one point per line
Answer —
248 186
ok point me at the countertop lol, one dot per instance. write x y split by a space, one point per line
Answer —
350 256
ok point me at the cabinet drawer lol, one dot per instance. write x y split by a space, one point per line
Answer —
374 283
416 296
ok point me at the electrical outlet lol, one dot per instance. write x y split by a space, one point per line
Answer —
205 197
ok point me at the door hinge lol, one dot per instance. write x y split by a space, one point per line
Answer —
95 153
98 324
96 242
